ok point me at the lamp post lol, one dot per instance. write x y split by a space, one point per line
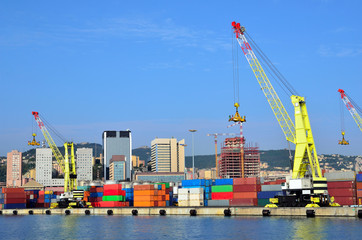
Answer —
193 152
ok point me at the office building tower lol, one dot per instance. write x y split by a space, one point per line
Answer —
167 155
117 168
13 169
43 166
117 143
84 164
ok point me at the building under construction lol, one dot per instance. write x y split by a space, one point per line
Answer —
236 158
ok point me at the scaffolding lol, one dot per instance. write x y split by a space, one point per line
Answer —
230 163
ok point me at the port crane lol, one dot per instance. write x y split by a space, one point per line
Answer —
307 186
351 108
71 196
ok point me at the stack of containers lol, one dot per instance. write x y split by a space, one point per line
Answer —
192 193
221 192
149 195
86 192
31 198
129 193
95 196
113 196
14 198
359 188
269 190
342 186
245 192
168 192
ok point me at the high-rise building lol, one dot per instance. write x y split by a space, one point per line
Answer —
136 162
13 169
167 155
84 164
233 154
117 168
43 166
117 143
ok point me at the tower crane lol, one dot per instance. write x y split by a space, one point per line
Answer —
215 135
307 186
71 196
351 108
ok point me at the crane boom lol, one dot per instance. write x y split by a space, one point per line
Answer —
58 156
357 118
301 133
276 105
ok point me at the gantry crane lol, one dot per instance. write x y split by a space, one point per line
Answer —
302 189
351 108
71 196
215 135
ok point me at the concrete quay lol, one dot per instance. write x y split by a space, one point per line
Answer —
195 211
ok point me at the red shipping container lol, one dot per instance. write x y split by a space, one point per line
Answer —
112 187
343 184
359 193
95 199
342 192
14 200
99 189
41 193
144 187
247 188
222 196
12 190
95 204
238 195
244 202
279 181
240 181
345 200
111 204
114 192
15 195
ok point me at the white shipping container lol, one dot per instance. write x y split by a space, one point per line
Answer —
183 190
175 190
196 203
183 203
196 190
196 197
183 197
340 176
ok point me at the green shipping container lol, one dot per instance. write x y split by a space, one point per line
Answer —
113 198
262 202
222 188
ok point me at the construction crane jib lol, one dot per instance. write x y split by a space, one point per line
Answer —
357 118
300 133
70 183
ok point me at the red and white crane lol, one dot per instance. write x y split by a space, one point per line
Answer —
351 107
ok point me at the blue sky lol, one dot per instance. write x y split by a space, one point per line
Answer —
160 68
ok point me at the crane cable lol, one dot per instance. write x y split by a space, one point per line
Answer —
51 128
235 61
341 109
272 70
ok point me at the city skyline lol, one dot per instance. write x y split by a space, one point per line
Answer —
160 69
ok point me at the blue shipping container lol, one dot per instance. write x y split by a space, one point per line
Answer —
226 181
96 194
270 194
14 206
195 182
359 177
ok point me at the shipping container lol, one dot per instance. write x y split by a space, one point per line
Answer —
221 195
226 181
340 176
218 203
359 177
240 181
221 188
342 192
244 202
341 184
345 200
270 194
247 188
238 195
269 188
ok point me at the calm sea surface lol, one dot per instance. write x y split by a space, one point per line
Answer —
177 227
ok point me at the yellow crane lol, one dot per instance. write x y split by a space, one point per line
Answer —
71 196
305 159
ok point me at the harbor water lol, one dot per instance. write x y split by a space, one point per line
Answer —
177 227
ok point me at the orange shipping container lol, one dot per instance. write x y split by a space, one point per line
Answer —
359 193
359 185
140 198
161 203
167 197
144 204
144 187
238 195
145 193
